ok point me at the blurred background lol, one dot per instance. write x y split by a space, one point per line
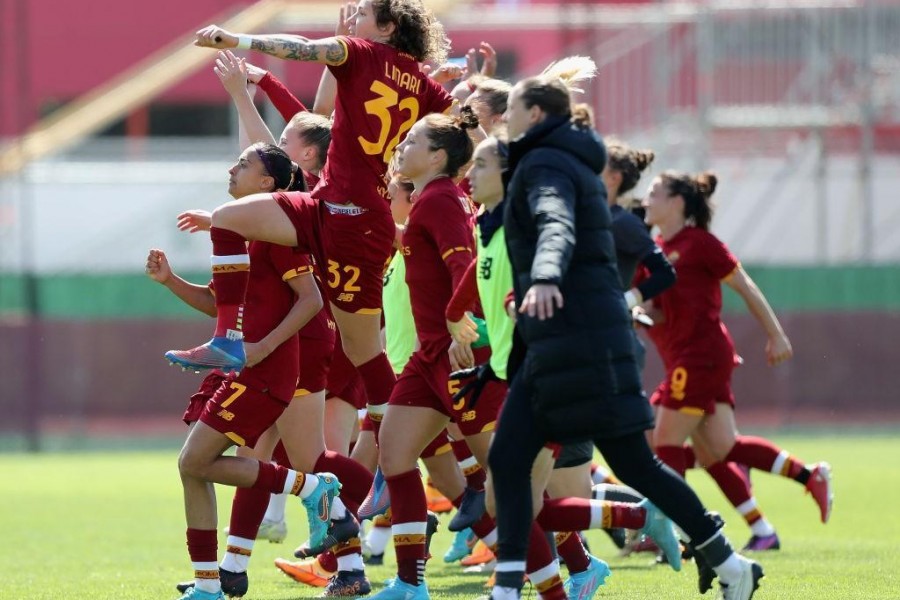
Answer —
111 124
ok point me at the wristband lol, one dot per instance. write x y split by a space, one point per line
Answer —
633 298
244 42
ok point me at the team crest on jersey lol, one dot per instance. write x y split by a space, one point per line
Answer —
466 204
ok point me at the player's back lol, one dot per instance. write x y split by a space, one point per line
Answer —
382 92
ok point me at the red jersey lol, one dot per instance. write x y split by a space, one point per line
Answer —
381 93
312 180
269 299
282 99
438 248
693 332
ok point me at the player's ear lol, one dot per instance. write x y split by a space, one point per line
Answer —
387 29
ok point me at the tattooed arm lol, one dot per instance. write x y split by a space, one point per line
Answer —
328 51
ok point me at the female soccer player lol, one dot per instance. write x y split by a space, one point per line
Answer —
238 409
574 375
345 222
695 400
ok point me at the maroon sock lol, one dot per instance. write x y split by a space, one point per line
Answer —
540 556
270 478
572 551
674 457
732 481
760 453
247 511
408 516
230 278
690 459
279 455
623 515
203 547
355 479
328 561
565 514
379 378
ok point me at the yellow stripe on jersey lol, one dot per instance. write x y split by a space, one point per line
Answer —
301 392
457 249
296 273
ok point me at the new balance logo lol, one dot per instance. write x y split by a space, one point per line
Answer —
485 267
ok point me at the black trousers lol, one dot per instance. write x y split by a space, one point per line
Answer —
517 443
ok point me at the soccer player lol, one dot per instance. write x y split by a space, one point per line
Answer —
345 222
242 407
574 375
695 400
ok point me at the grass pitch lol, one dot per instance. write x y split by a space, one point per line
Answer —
92 526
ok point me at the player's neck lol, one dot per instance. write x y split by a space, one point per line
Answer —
670 229
420 182
490 205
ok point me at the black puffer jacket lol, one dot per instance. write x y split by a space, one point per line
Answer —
579 366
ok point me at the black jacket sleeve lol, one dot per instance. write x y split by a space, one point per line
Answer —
551 199
662 274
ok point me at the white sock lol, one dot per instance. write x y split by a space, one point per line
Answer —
490 539
596 514
504 593
599 475
731 570
350 562
206 584
377 539
275 510
309 485
762 528
237 554
338 510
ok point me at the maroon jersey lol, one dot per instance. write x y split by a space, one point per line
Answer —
381 93
692 332
312 180
269 299
437 247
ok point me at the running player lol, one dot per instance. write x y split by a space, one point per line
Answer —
695 399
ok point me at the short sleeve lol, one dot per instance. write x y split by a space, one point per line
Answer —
717 258
356 49
289 262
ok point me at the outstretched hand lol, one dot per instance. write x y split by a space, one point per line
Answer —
213 36
232 72
158 268
193 221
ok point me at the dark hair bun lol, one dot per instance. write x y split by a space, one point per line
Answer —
706 183
643 158
467 118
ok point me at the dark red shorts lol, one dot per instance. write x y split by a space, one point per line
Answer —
315 360
439 445
241 413
344 381
351 249
428 385
208 387
694 389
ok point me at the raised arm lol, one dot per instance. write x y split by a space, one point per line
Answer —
778 347
326 51
232 72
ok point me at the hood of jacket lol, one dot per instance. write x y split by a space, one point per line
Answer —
560 133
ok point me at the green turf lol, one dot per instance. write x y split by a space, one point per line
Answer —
103 525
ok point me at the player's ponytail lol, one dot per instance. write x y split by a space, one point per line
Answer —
279 166
628 162
697 191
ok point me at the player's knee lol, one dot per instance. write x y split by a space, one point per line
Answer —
191 465
395 456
